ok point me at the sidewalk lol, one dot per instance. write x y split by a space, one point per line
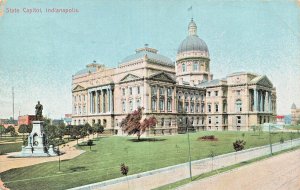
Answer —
164 176
280 172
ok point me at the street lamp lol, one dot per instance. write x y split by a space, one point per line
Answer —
270 141
189 144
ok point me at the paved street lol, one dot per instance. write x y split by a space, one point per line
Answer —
281 172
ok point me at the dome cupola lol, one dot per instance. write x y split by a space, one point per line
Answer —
192 42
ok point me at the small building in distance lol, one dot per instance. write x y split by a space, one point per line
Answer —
25 119
68 119
295 112
280 120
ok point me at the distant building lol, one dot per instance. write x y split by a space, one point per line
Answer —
68 119
295 112
57 121
25 119
280 120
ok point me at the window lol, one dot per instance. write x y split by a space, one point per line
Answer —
169 92
131 105
186 107
153 90
153 104
209 120
162 122
197 108
216 93
79 98
238 105
75 110
202 108
138 103
130 90
238 92
208 93
209 108
195 66
170 122
79 122
79 110
138 90
161 104
123 106
99 121
161 91
123 91
183 67
169 104
238 120
217 120
83 97
217 107
192 107
84 109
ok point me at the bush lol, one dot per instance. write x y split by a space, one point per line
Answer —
124 169
208 138
281 140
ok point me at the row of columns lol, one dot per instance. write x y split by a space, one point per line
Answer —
101 100
262 100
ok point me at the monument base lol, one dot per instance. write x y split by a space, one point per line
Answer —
36 143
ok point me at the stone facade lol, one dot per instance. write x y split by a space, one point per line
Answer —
177 94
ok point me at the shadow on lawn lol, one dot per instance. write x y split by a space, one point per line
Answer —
78 168
146 140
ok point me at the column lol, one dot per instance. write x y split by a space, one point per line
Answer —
90 94
97 101
270 103
255 95
103 102
261 101
267 102
112 101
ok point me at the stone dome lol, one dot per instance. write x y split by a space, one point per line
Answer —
192 42
293 106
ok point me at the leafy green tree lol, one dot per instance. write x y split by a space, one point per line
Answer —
90 143
75 132
61 130
23 129
2 130
98 128
89 129
10 129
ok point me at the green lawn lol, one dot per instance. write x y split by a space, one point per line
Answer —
103 162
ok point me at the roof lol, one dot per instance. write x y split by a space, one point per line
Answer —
151 54
192 43
293 106
210 83
86 70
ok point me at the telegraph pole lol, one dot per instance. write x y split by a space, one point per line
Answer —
13 104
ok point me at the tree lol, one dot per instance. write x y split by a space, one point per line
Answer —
238 145
23 129
90 143
132 123
2 130
61 130
98 128
10 129
75 132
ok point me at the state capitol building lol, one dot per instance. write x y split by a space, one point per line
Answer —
178 94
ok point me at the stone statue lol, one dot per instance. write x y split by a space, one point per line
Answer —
39 111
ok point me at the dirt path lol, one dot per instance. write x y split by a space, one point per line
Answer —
7 163
280 172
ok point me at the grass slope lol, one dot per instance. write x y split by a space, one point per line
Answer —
103 162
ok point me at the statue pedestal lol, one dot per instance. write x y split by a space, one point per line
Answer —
37 143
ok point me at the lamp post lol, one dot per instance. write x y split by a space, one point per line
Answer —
270 141
189 144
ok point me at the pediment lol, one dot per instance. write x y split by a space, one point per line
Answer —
162 76
129 77
78 88
263 81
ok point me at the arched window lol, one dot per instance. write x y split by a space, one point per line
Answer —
238 105
183 67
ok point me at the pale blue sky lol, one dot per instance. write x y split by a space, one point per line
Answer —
40 52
